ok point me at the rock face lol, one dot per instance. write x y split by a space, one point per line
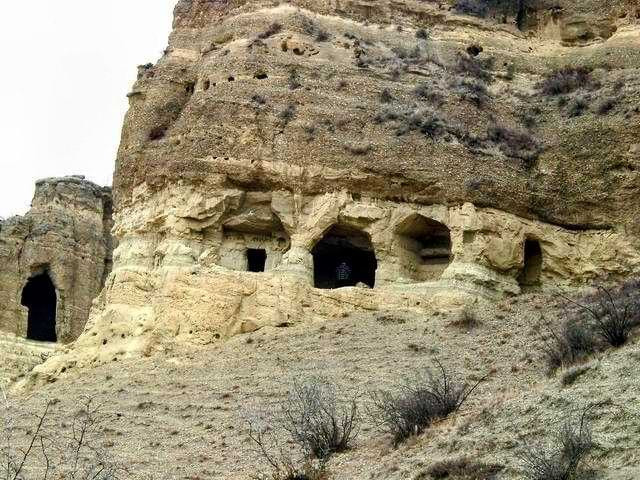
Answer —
54 260
415 155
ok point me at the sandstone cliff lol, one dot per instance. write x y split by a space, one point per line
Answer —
65 237
446 157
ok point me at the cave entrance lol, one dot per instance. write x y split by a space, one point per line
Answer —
425 248
532 270
256 259
344 257
39 296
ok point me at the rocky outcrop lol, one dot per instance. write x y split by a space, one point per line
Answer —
57 255
401 150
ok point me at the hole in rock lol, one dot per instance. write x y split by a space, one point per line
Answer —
256 259
158 132
231 79
343 258
530 275
39 296
425 248
206 85
261 76
190 88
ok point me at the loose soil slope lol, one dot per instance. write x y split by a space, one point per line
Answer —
182 414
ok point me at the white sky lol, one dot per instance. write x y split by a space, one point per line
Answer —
66 69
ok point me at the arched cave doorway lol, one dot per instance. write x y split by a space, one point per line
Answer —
424 248
343 258
39 296
532 270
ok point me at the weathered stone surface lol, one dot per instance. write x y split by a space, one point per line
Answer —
281 129
66 235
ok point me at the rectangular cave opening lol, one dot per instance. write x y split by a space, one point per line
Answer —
256 259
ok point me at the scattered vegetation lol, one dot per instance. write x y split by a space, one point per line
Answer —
614 313
313 419
606 318
411 119
463 468
317 421
288 114
566 80
416 404
577 107
515 144
573 343
71 455
563 455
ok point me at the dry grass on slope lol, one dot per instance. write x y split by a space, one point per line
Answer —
183 415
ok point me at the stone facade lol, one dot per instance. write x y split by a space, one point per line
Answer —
60 252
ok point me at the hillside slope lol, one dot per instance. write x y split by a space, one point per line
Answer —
182 414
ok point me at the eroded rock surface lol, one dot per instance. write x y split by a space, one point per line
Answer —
54 260
272 140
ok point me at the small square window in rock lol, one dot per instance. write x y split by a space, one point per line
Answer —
256 259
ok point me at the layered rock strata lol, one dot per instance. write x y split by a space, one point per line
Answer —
406 152
54 260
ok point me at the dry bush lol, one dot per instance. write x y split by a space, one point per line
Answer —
573 343
463 468
614 313
52 453
564 453
315 421
408 119
318 421
416 404
470 66
515 144
281 461
566 80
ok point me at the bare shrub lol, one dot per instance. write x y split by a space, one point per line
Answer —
281 461
562 456
416 404
577 107
613 312
566 80
463 468
317 421
515 144
408 119
473 67
473 91
573 343
288 114
51 453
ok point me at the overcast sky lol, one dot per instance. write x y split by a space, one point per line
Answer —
66 69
